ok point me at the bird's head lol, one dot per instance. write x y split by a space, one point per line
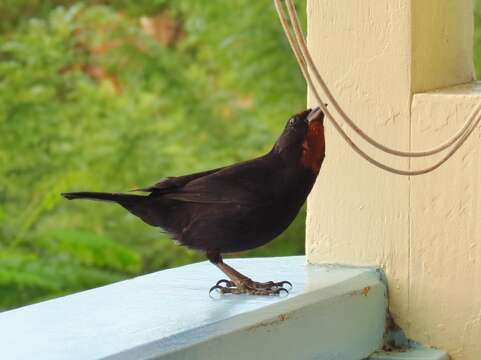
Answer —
303 139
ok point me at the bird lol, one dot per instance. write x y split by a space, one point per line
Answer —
237 207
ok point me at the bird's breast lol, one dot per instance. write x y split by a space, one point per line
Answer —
313 147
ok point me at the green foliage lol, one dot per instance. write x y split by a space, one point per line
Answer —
477 37
92 250
90 100
27 276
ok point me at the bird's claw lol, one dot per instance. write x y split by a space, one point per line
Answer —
285 282
272 284
215 287
280 290
227 283
251 287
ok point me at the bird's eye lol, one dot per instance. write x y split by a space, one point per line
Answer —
292 121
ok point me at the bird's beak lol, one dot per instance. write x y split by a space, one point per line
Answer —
316 114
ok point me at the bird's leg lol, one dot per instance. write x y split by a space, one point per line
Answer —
241 284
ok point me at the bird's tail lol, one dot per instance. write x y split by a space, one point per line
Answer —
116 197
144 206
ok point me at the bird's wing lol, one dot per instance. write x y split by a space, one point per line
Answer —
252 182
171 183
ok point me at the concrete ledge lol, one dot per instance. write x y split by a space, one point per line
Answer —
411 354
331 313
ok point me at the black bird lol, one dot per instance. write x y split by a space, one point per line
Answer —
237 207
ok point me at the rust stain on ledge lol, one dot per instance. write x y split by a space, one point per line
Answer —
278 320
364 291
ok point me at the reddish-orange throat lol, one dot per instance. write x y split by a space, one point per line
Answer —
313 147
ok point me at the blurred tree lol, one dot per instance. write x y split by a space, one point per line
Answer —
111 95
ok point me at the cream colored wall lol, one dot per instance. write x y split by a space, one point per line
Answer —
442 43
445 260
356 48
424 231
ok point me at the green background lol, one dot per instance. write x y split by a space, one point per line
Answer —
90 99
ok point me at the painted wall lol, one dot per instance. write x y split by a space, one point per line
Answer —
376 57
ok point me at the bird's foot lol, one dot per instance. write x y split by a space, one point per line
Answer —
248 286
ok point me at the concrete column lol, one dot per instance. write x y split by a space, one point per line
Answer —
377 56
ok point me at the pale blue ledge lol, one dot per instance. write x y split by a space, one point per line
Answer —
417 353
335 313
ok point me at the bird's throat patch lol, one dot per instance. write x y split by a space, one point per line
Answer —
313 147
